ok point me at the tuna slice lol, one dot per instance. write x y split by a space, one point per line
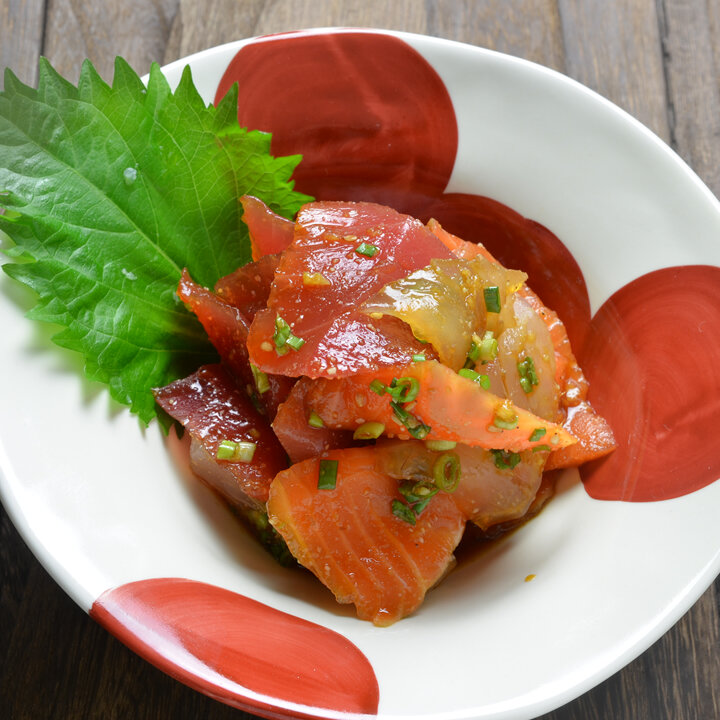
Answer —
300 438
212 408
227 328
351 540
341 255
248 288
270 233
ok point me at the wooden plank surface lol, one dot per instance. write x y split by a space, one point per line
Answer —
658 59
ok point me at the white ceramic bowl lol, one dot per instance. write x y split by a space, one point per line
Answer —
105 504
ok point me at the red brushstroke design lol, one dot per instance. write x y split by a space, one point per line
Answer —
652 356
231 648
365 110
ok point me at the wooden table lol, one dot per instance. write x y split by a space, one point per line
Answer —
658 59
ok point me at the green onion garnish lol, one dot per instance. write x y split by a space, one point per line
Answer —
402 511
482 380
536 434
261 379
420 505
283 337
416 429
369 431
446 472
235 451
315 420
366 249
488 348
473 354
404 389
528 376
419 357
417 496
492 298
541 448
440 445
413 492
295 342
505 417
505 460
377 387
327 474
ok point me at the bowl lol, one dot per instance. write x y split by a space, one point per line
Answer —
617 234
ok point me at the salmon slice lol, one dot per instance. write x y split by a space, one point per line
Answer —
212 408
227 327
451 406
341 255
595 438
351 540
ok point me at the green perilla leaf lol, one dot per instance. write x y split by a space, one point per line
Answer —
110 191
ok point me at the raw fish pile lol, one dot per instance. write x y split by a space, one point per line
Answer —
382 385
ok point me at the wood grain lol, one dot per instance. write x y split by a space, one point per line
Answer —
21 39
136 29
691 44
614 48
658 59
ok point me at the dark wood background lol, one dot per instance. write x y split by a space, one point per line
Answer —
658 59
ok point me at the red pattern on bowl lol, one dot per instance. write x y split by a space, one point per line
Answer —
237 650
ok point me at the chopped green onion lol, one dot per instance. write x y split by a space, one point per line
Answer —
492 298
541 448
315 420
283 337
419 357
402 511
417 496
505 424
404 389
327 474
415 492
536 434
416 429
420 505
366 249
233 451
446 472
505 460
528 376
473 354
245 452
282 332
261 379
226 449
369 431
440 445
377 387
295 342
488 348
505 417
482 380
